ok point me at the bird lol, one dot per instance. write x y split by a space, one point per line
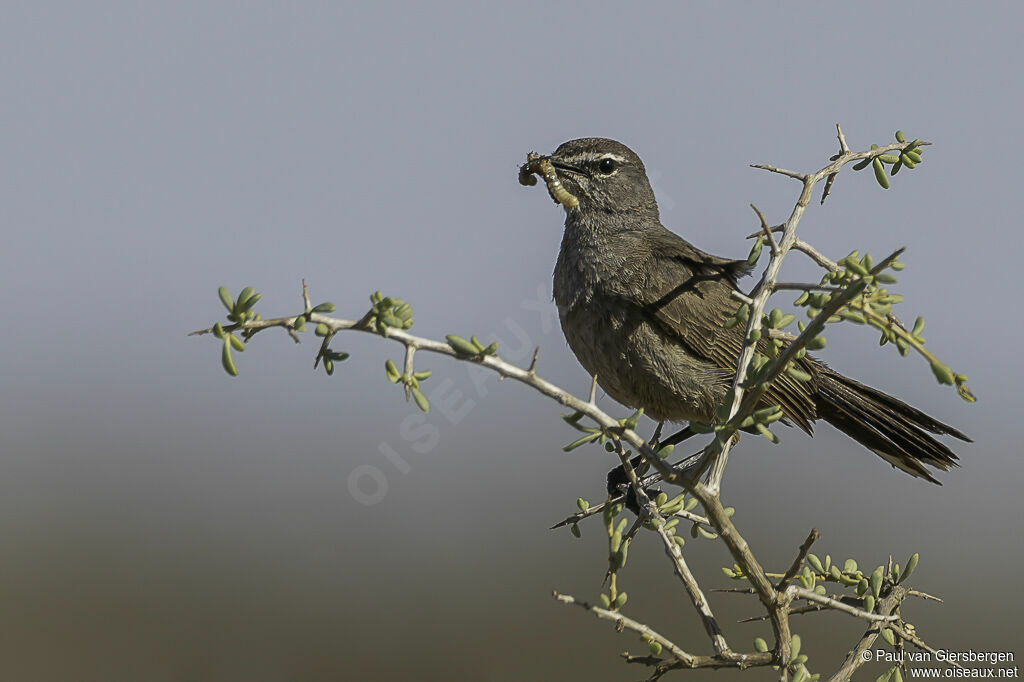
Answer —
644 311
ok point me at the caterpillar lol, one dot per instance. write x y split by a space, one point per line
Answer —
541 166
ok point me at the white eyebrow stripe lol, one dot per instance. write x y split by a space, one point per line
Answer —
594 156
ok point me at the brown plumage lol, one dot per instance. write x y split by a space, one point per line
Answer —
643 309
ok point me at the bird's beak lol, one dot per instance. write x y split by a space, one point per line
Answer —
562 166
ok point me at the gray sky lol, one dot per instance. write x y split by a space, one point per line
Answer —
162 521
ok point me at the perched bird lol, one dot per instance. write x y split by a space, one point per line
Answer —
645 311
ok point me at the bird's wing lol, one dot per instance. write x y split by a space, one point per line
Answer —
688 294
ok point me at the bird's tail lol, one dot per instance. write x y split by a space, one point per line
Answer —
893 430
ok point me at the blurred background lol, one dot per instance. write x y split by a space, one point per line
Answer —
162 521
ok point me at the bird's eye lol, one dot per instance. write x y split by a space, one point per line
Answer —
607 166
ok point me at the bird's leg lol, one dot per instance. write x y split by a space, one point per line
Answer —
678 437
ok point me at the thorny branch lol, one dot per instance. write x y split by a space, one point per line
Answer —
777 600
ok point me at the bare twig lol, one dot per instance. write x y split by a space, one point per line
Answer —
765 230
797 592
624 622
799 561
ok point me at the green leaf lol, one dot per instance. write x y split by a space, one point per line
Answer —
943 373
575 530
876 582
392 371
247 304
225 298
755 252
817 342
620 556
856 318
767 433
582 504
236 343
911 565
880 176
582 441
421 400
620 601
243 296
655 647
225 358
461 345
322 330
888 636
324 308
797 374
760 645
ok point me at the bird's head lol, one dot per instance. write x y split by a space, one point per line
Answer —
605 176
